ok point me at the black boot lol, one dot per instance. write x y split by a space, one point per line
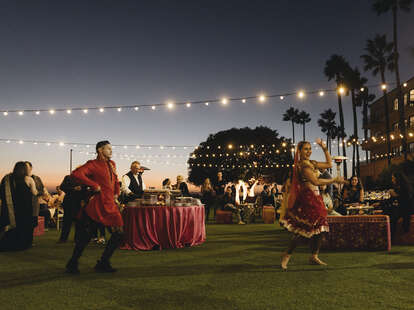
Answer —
104 266
72 267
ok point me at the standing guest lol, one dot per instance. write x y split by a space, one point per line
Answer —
402 191
273 194
166 184
100 175
17 190
219 187
251 197
132 184
74 194
306 215
230 205
182 186
207 197
266 195
40 200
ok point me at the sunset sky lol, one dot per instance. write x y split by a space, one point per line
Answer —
67 54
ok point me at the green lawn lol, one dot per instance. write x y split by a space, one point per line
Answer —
236 268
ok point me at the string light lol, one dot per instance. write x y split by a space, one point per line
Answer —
341 90
68 111
383 86
261 98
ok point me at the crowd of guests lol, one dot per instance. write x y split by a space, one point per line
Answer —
238 197
23 198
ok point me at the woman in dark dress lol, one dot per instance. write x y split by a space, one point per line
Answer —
208 197
16 217
402 192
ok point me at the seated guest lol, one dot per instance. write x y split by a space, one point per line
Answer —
353 192
327 200
56 199
132 184
44 208
230 204
182 186
166 184
403 193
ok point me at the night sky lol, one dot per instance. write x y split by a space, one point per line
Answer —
59 54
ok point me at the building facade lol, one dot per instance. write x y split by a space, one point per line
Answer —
376 145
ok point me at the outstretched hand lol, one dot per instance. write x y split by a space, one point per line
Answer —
320 142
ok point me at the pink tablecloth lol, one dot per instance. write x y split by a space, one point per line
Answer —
148 228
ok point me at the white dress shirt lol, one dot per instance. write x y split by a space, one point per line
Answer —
126 181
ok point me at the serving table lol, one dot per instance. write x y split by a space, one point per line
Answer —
162 227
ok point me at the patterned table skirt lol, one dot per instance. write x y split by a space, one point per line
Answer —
366 232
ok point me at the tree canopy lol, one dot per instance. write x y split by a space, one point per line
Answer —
242 153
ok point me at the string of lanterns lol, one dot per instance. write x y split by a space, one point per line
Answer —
170 105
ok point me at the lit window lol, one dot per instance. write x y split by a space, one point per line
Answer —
396 104
412 96
411 121
395 126
405 99
411 147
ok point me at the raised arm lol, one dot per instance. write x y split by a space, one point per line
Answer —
328 160
308 173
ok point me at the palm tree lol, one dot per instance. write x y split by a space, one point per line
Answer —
379 57
291 115
353 141
381 7
328 125
355 82
335 68
303 118
363 98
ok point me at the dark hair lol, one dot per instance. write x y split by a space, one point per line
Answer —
265 187
165 182
101 144
29 163
359 184
20 171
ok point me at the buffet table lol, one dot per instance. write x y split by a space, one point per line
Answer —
161 227
366 232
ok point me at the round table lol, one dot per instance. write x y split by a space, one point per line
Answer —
154 227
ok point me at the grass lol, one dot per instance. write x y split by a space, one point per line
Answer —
236 268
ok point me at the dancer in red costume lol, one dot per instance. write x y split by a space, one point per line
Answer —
306 213
100 175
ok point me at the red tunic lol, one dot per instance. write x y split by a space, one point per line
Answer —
101 207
